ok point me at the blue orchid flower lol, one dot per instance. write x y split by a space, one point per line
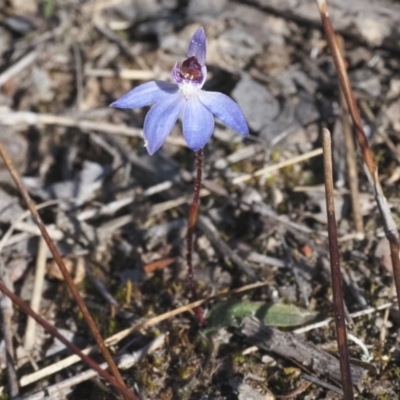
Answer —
184 98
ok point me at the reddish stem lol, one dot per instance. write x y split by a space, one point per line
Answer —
192 219
340 322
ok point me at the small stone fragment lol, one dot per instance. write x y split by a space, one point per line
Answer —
257 103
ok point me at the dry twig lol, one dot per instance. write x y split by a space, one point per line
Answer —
53 331
7 313
26 118
124 362
68 279
371 169
344 357
128 74
351 159
19 66
40 270
275 167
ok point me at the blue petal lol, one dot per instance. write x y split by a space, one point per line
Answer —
224 108
146 94
197 46
198 123
160 120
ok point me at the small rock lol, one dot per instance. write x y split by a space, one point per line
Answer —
365 80
143 9
373 29
306 110
17 267
394 89
294 77
86 182
382 254
58 347
257 103
209 7
234 49
393 114
9 207
250 196
264 28
25 6
266 359
246 392
285 126
16 147
42 85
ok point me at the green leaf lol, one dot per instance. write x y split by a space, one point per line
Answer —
284 315
231 312
48 8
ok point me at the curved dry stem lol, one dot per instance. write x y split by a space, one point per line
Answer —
340 321
371 169
58 259
53 331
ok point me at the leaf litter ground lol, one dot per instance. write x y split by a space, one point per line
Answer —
118 215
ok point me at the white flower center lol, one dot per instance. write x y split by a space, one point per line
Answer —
188 88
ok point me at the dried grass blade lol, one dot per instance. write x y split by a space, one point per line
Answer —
335 271
53 331
368 157
63 269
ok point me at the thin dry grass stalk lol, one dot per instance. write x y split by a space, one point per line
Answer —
351 157
63 269
53 331
335 271
7 314
40 270
28 118
125 361
368 157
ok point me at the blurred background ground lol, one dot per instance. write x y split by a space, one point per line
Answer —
119 215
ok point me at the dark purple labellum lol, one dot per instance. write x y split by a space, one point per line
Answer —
191 69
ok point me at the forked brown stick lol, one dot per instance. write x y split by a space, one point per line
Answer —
61 265
335 271
368 157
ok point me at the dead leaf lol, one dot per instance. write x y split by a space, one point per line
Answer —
157 265
75 266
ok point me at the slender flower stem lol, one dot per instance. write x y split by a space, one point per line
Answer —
57 257
335 271
192 219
